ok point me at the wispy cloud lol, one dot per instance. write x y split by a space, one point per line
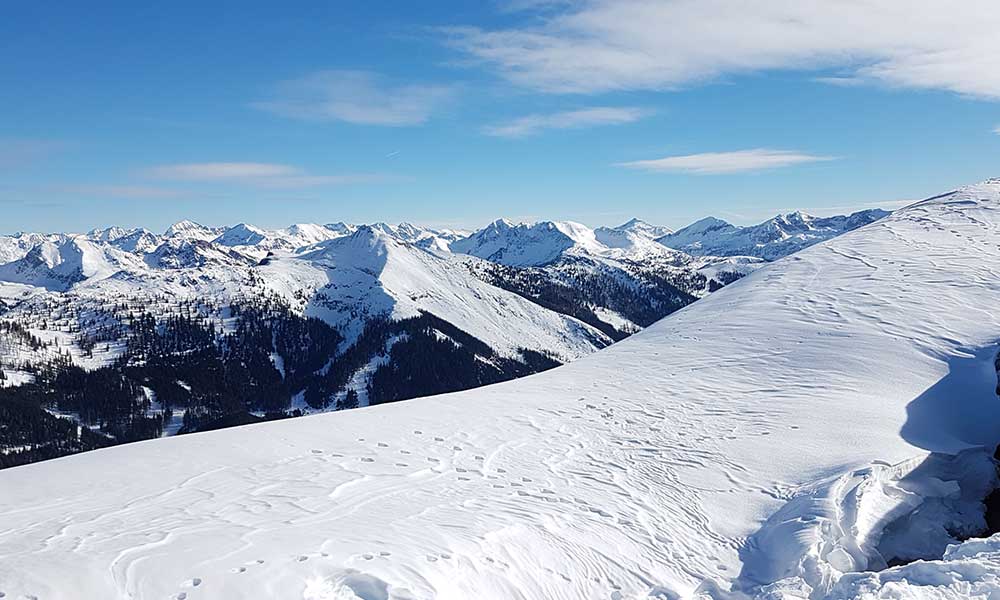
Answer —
996 130
131 192
606 45
722 163
267 175
572 119
358 97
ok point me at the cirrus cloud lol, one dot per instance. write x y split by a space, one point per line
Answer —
358 97
572 119
268 175
724 163
606 45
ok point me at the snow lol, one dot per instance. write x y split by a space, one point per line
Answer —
770 240
615 320
15 377
762 441
372 274
279 363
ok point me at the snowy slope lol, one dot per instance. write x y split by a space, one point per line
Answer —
526 245
14 247
770 240
765 436
371 273
642 228
57 266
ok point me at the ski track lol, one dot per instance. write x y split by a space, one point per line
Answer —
642 469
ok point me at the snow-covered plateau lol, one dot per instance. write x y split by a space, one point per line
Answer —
788 436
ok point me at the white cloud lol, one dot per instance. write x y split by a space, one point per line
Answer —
267 175
722 163
221 170
996 130
605 45
357 97
136 192
573 119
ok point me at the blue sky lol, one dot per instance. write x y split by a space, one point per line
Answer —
456 113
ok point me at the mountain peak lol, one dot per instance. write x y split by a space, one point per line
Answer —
183 226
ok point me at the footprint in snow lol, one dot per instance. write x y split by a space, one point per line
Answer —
314 451
238 570
302 558
438 439
383 445
367 460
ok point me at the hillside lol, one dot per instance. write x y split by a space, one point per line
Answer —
124 335
827 414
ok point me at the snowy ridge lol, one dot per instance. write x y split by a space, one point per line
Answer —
323 271
770 240
371 273
717 453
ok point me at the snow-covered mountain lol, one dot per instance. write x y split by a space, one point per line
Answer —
373 273
330 316
617 279
193 231
770 240
14 247
642 228
787 437
58 265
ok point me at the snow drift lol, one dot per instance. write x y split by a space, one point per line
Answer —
772 439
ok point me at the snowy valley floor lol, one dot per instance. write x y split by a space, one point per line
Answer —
763 441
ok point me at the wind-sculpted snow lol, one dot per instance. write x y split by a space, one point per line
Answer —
765 440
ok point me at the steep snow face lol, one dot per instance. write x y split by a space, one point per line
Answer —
241 235
521 245
138 241
546 242
190 230
643 229
14 247
372 274
308 234
761 441
770 240
184 253
57 266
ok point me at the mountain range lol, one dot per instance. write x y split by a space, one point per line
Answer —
823 428
319 317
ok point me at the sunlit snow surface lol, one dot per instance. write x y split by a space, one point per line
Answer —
745 441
